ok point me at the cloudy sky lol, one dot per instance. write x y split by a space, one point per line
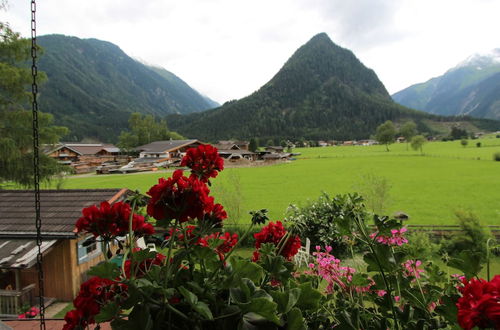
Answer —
226 49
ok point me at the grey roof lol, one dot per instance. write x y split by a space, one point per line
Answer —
21 253
59 210
165 146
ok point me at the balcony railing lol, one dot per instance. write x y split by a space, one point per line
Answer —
12 301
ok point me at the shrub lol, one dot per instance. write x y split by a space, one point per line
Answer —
320 219
472 236
478 144
420 244
496 156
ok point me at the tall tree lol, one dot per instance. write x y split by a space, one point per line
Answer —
417 143
386 133
253 145
144 129
408 130
16 138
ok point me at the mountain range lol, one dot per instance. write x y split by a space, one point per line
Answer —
470 88
322 92
93 87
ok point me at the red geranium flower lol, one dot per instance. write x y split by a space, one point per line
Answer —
204 162
93 294
273 233
480 304
225 242
144 266
109 221
216 216
179 198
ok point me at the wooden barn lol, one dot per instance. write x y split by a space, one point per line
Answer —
65 259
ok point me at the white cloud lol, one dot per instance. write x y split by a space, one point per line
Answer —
227 49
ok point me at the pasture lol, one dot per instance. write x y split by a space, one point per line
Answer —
429 187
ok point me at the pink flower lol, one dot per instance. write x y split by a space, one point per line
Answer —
381 293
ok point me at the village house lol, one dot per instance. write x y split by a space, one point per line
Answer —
166 150
65 259
234 150
83 157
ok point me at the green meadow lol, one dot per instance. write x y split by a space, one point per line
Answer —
428 187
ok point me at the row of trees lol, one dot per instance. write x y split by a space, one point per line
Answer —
16 137
386 134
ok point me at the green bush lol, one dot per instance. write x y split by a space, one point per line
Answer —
496 156
420 244
320 220
471 237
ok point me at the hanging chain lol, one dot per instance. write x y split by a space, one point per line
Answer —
36 166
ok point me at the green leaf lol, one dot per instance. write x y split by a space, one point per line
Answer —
286 300
108 270
359 279
309 297
199 306
295 321
246 269
203 309
448 308
262 307
140 318
108 312
468 262
190 297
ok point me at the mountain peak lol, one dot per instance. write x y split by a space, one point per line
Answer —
481 60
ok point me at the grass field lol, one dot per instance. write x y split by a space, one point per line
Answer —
430 188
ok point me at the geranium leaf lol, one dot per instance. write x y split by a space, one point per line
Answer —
295 321
108 270
107 312
309 297
286 300
468 262
246 269
262 307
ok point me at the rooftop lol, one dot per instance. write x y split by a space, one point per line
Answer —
59 210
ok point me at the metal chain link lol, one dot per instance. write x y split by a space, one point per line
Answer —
36 166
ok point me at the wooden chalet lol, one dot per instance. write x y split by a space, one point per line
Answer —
166 150
234 150
65 259
83 157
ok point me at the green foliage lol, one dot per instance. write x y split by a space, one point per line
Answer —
144 129
458 133
376 192
417 143
472 236
323 220
386 133
420 244
16 124
254 145
464 142
408 131
496 156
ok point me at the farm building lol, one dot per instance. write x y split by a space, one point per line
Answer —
83 157
166 149
65 259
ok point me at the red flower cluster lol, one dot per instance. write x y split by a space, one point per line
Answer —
480 304
216 216
180 198
31 313
273 233
144 266
92 296
226 242
204 162
111 220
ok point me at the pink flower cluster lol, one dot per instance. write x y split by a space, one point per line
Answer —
396 239
329 268
31 313
412 268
